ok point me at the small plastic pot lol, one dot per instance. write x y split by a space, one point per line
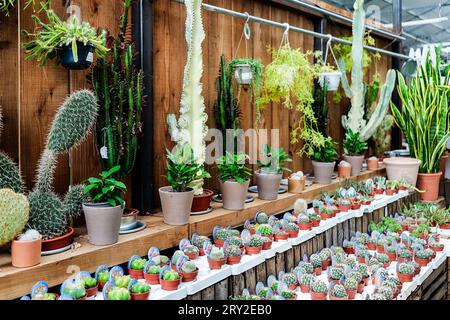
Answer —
304 226
91 292
278 237
318 295
136 274
219 243
360 288
390 192
216 264
318 271
253 250
170 285
234 260
139 296
344 208
292 234
151 279
422 262
305 288
392 256
267 245
192 256
189 277
405 277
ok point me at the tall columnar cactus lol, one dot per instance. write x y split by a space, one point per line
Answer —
9 172
14 211
355 120
191 126
119 89
74 120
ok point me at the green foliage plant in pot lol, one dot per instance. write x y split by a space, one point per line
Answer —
182 168
424 120
73 42
354 148
324 161
270 172
104 211
234 180
7 5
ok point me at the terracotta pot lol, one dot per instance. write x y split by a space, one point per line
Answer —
344 171
26 254
343 208
380 249
402 168
233 194
296 186
366 280
334 298
59 242
305 288
318 295
219 242
323 216
355 206
102 223
429 182
390 192
176 206
315 223
234 260
405 277
356 162
318 271
202 202
136 274
292 286
278 237
304 226
336 281
139 296
192 256
242 250
323 171
151 279
378 191
422 262
201 252
392 256
92 292
445 226
325 265
292 234
361 259
253 250
360 288
268 185
372 164
267 245
169 285
371 246
189 277
216 264
349 250
437 249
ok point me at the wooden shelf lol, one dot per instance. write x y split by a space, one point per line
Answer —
15 282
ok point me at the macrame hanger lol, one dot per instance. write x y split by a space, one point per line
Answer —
329 48
285 38
246 32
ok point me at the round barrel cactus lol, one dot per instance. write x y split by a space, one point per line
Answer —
14 213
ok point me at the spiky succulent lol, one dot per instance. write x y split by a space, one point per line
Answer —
300 206
188 267
306 267
190 249
405 254
235 241
233 251
216 253
351 262
288 294
422 254
222 234
383 258
338 291
351 284
362 253
245 297
374 261
256 241
387 292
262 218
176 256
199 241
378 296
319 287
363 269
291 226
14 213
355 275
315 260
303 219
161 260
335 273
263 292
325 254
306 279
265 230
290 278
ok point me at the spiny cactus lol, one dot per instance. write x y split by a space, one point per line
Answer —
335 273
119 88
306 279
256 241
338 291
319 286
235 241
265 229
300 206
383 258
233 251
306 267
315 260
222 234
191 126
76 290
190 249
291 226
351 284
14 212
355 120
188 267
290 278
303 219
216 253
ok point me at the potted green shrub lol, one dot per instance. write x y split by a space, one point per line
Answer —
234 180
423 119
104 211
73 42
324 161
354 151
181 170
270 172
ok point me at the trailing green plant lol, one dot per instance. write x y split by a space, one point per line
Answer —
49 214
325 153
191 126
288 79
7 5
49 37
353 143
424 115
272 160
14 213
118 85
355 120
182 168
232 167
106 189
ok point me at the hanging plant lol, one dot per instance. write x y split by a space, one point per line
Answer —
327 74
288 79
7 5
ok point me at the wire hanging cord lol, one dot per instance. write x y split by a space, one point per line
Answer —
285 38
329 48
246 32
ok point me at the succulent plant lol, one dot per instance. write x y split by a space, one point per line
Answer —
199 241
122 281
422 254
319 286
387 292
291 226
118 294
391 249
161 260
383 258
262 218
256 241
222 234
138 264
303 219
176 256
216 253
233 251
265 230
306 267
363 269
190 249
405 254
351 262
74 289
374 261
153 269
355 275
300 206
378 296
288 294
315 260
245 297
14 213
290 278
188 267
263 292
338 291
140 287
279 232
103 276
234 233
237 241
362 253
171 275
306 279
335 273
325 254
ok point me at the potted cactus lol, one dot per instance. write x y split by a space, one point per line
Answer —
354 151
292 229
216 258
304 223
316 262
314 218
169 279
344 169
189 271
405 272
233 253
383 259
324 161
118 294
422 257
89 283
280 234
338 292
102 276
305 281
325 258
267 243
139 290
265 230
199 241
335 274
436 246
344 205
290 279
319 290
136 266
191 251
270 173
220 235
151 273
254 246
74 289
351 287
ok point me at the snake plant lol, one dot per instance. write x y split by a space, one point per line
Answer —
424 116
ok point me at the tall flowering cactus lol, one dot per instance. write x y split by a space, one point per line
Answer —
355 119
191 125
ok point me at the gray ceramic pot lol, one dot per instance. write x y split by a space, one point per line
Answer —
356 162
103 223
176 206
323 171
233 194
268 185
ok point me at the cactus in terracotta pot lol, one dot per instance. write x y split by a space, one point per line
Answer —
14 212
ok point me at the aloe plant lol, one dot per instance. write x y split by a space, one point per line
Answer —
191 125
424 116
355 119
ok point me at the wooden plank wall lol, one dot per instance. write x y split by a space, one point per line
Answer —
30 95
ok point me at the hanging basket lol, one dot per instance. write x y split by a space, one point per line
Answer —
243 74
85 56
333 80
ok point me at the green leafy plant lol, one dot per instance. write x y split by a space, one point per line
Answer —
7 5
51 36
272 160
353 144
327 152
182 168
232 167
106 188
424 115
